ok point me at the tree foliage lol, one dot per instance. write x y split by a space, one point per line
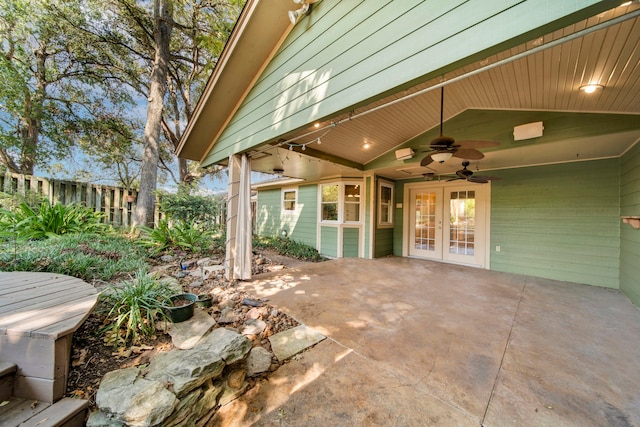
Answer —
52 94
78 73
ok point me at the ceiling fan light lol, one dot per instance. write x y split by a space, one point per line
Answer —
590 88
441 157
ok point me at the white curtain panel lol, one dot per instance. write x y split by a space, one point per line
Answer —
243 250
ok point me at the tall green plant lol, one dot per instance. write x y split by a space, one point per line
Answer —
134 305
179 235
49 221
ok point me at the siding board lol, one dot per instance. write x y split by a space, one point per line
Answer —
630 237
559 222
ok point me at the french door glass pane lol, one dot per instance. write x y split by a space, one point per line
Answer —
462 207
425 235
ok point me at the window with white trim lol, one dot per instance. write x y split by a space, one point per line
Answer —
289 200
330 203
340 202
385 204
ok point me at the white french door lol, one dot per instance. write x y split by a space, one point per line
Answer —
448 222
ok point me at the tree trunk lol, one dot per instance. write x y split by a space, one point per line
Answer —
163 21
30 129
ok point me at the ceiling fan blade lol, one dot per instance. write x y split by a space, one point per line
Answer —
468 153
426 161
471 143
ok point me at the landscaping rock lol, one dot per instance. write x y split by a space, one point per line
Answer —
293 341
133 400
101 419
231 346
259 361
185 370
235 379
186 335
227 316
179 387
254 327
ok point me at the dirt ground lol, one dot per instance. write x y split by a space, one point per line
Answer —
92 357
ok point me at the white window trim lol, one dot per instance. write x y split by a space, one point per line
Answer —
295 201
389 185
341 203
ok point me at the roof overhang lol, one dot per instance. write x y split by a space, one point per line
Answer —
259 31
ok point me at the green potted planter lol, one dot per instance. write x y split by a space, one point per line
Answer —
180 307
204 300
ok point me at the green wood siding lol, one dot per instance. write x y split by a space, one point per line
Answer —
384 242
350 242
347 53
329 241
630 237
268 213
560 222
303 228
301 225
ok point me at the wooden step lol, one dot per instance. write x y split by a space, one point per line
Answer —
7 372
66 412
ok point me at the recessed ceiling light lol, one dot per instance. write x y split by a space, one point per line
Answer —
366 145
317 125
590 88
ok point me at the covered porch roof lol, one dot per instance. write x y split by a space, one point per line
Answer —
538 79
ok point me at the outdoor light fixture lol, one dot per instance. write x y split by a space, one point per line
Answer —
441 157
590 88
295 15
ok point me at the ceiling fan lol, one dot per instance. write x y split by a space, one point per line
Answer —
463 173
444 147
468 175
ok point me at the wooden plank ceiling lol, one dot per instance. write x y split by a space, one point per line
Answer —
546 81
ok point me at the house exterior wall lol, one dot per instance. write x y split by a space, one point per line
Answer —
559 221
630 237
347 53
301 225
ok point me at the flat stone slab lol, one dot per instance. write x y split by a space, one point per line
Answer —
291 342
187 334
213 268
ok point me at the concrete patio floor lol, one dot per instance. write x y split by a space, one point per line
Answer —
414 342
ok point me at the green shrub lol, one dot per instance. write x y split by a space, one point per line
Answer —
179 235
133 306
192 209
46 221
288 247
87 256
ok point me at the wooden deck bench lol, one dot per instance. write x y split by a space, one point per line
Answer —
39 312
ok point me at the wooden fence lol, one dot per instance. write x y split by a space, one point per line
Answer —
117 204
